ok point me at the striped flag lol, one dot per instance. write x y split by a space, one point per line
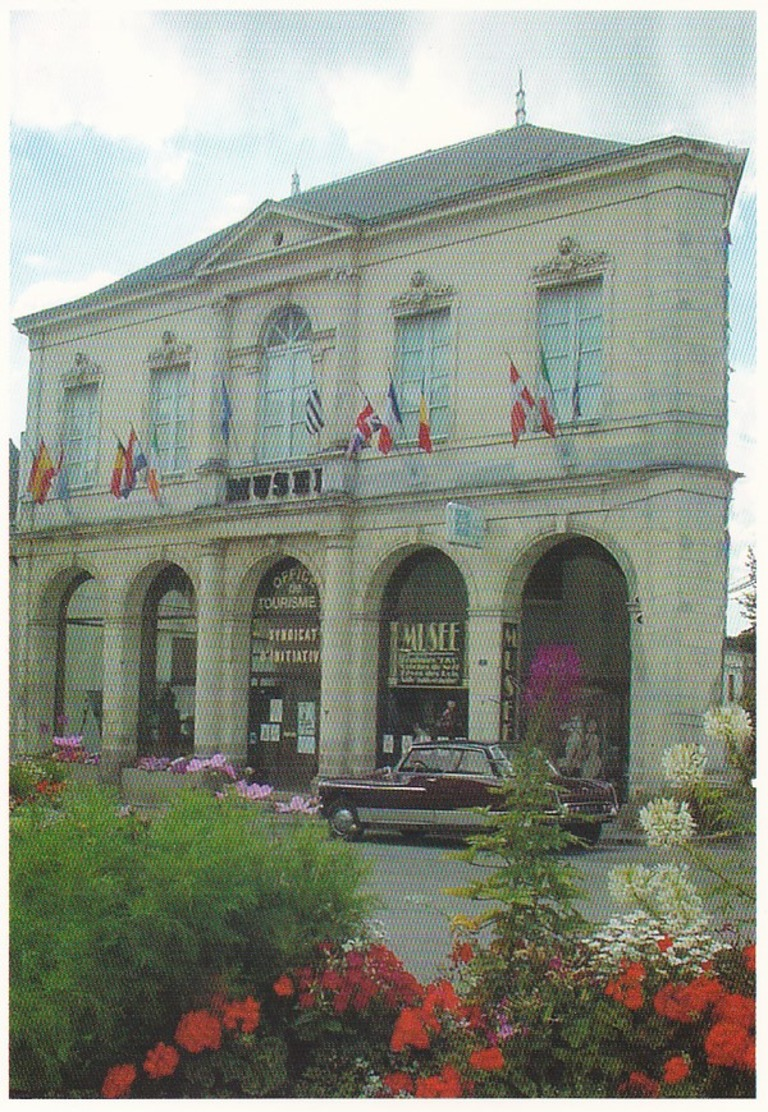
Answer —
226 411
116 483
425 435
41 474
547 400
129 470
392 421
366 424
522 403
153 476
313 418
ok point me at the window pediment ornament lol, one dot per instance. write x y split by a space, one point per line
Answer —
171 353
84 372
571 262
422 295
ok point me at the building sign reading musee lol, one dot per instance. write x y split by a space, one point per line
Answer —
286 621
426 654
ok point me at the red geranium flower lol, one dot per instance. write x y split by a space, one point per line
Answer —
398 1083
748 953
245 1012
445 1084
627 993
735 1008
490 1058
664 943
198 1031
676 1069
639 1084
118 1081
409 1031
462 953
283 986
727 1044
161 1061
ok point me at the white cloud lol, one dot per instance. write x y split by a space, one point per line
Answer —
55 291
388 115
114 71
167 166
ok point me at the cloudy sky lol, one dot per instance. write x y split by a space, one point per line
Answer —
135 132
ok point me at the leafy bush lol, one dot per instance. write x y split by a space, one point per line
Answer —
117 921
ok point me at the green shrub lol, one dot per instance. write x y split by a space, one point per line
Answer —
118 922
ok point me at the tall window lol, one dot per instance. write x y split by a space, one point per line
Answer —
287 381
422 363
571 335
170 417
80 434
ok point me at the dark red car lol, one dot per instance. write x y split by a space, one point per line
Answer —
434 784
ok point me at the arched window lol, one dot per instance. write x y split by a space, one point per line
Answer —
287 382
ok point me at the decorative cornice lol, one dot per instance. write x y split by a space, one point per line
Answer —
171 353
422 295
84 372
571 262
343 274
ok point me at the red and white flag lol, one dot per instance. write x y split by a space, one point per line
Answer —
522 403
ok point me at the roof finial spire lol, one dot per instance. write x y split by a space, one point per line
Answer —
520 103
295 184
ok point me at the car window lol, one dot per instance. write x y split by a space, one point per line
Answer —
474 762
430 760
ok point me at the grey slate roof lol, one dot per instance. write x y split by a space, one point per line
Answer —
419 182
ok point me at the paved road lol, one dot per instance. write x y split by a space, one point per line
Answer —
409 877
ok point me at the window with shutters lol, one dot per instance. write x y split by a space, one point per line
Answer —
283 433
80 434
169 418
571 337
422 344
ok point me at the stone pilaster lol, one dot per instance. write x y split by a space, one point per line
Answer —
337 665
120 704
210 697
214 449
483 673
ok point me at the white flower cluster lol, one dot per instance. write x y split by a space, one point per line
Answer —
729 724
667 822
663 892
637 937
684 764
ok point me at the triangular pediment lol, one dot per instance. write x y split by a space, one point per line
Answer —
273 229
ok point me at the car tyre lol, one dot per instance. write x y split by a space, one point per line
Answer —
588 832
343 821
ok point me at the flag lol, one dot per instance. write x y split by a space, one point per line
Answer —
366 424
392 420
41 474
139 459
576 401
153 477
425 438
547 400
522 402
226 411
116 483
313 417
129 471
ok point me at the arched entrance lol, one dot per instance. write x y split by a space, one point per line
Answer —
168 666
422 654
576 597
285 663
80 661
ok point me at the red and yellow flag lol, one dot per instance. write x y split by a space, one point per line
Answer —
117 471
41 474
425 437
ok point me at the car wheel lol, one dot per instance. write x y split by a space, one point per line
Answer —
588 832
343 821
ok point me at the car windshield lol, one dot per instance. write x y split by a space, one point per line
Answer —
503 764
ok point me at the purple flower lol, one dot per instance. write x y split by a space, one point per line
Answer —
555 673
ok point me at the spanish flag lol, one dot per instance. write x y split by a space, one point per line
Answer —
425 438
41 475
116 485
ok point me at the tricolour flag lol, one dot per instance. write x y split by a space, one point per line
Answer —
226 411
392 421
153 472
522 403
41 474
129 470
116 483
366 424
425 435
313 416
547 400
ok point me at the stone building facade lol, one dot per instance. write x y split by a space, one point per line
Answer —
303 611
